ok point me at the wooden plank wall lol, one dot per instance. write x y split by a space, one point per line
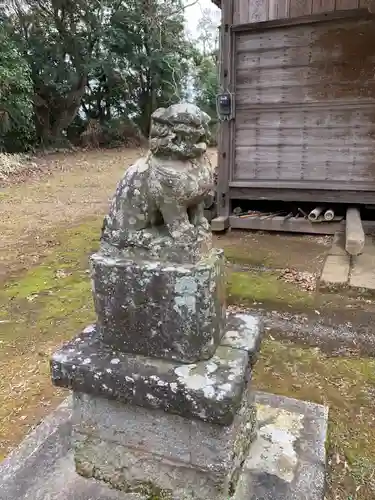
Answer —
255 11
305 106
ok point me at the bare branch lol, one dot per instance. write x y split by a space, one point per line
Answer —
183 8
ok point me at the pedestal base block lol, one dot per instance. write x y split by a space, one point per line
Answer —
285 462
152 452
169 311
146 425
210 390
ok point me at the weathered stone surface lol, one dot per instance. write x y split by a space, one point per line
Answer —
338 245
158 209
132 448
362 275
167 311
180 131
130 469
194 442
335 271
220 223
43 466
209 390
244 331
355 236
287 460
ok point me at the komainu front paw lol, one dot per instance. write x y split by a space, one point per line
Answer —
203 223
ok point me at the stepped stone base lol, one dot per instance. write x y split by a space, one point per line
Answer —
209 390
137 449
286 462
147 424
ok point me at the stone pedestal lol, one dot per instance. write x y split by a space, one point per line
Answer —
163 405
160 309
138 450
286 461
163 402
146 425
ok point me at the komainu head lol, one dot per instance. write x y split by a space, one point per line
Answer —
180 131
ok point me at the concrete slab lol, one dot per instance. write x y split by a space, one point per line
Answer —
338 245
363 267
335 271
287 461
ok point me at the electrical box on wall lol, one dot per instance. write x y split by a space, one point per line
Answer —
225 106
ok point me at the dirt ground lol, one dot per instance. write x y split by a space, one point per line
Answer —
49 226
76 186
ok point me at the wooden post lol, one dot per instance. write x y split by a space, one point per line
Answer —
355 236
221 222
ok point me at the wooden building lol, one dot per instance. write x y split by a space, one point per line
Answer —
302 78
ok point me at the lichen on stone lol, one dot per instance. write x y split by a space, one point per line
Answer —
158 209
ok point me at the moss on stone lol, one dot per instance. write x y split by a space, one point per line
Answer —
116 480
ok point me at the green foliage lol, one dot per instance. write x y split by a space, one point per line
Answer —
206 71
151 35
106 61
58 39
15 96
207 85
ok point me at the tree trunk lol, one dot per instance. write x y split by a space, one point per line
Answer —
49 135
53 115
145 108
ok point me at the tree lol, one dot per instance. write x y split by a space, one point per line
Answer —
151 34
15 95
207 84
206 73
208 32
58 39
107 59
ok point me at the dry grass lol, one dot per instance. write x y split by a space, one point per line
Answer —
74 187
77 186
14 164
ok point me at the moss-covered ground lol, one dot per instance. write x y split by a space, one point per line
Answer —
256 263
42 308
347 386
52 300
46 298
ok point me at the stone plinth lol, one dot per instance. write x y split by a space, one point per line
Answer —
170 311
146 424
286 462
138 450
211 390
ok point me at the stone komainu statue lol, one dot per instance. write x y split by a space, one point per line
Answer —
158 208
